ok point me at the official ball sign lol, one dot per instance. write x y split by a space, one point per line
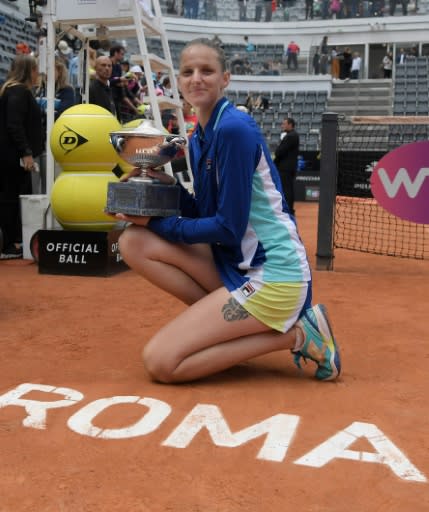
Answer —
400 182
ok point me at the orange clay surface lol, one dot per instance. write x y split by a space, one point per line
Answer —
86 334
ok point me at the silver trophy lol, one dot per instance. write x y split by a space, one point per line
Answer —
144 147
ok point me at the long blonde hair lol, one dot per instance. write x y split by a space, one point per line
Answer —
62 79
20 72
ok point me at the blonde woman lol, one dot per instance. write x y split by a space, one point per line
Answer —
64 92
21 140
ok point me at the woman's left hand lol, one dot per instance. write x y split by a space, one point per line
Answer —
162 177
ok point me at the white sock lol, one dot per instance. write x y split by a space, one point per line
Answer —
299 339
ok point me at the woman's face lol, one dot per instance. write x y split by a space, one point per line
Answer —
201 79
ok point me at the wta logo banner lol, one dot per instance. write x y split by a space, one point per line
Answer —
400 182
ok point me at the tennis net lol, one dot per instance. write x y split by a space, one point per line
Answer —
351 148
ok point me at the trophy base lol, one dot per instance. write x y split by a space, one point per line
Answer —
143 198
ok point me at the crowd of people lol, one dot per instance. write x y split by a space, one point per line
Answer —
267 10
114 85
346 64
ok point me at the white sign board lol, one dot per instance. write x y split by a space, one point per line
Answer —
83 11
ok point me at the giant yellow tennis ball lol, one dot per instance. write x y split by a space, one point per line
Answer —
78 200
80 139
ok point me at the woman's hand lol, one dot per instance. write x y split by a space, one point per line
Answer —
160 176
28 163
133 219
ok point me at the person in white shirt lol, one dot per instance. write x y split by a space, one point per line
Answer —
356 64
387 64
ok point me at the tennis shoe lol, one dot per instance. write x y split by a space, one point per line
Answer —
11 252
319 343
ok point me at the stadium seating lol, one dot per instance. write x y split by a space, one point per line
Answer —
411 88
13 30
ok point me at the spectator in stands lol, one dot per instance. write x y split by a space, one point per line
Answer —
73 77
401 57
172 7
132 106
64 92
22 48
117 80
119 83
100 92
266 68
93 48
353 8
189 116
270 6
191 8
218 41
292 52
324 11
356 65
286 160
404 4
249 105
276 67
21 141
234 255
414 52
64 52
334 8
309 9
237 65
346 59
335 64
210 10
387 65
125 66
135 81
173 124
377 8
316 62
250 47
261 103
242 10
259 5
166 86
324 55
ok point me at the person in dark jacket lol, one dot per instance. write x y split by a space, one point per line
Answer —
21 141
100 92
286 159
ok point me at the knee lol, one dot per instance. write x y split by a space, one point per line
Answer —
156 366
131 241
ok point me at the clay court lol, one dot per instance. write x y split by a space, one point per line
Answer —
254 438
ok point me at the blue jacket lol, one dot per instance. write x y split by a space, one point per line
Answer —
238 206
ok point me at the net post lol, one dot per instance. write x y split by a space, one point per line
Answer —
328 185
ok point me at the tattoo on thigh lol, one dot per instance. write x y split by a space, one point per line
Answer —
232 310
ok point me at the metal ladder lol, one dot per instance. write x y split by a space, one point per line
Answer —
147 25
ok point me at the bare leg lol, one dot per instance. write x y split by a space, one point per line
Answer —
204 339
201 341
186 271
